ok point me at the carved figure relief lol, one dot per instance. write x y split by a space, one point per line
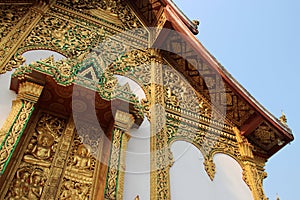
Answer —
79 176
34 168
28 184
41 151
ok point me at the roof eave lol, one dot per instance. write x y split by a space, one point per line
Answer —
179 25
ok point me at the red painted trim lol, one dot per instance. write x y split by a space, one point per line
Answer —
251 125
182 17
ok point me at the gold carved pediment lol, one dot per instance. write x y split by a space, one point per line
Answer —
105 15
117 12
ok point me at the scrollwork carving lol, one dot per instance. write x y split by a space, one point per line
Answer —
14 135
63 36
115 7
210 167
10 16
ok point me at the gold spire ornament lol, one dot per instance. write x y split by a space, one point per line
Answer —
283 118
137 197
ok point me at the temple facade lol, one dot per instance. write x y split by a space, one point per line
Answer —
118 99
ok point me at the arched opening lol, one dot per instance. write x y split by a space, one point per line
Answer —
189 180
228 181
36 55
137 173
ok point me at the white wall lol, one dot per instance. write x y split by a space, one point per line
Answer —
6 96
137 176
190 181
228 180
188 178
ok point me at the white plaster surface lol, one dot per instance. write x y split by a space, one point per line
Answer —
190 181
6 97
137 176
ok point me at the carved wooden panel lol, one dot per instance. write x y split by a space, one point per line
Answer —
57 161
10 16
35 166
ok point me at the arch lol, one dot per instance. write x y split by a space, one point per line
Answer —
188 178
42 53
230 182
186 139
190 181
237 158
25 50
137 152
138 163
134 84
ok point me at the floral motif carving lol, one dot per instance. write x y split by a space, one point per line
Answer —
265 134
13 136
116 7
115 175
10 16
10 58
210 167
63 36
62 71
134 64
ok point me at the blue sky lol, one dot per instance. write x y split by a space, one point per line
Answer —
258 42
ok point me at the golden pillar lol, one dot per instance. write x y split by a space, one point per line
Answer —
16 122
120 137
161 156
250 173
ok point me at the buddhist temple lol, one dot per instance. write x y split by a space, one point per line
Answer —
118 99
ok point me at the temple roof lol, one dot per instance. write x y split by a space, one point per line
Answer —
267 133
189 57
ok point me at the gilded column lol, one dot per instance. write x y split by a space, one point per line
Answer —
10 44
16 122
161 156
58 164
115 174
250 173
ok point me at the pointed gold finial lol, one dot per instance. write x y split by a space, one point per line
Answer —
277 197
283 119
137 197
